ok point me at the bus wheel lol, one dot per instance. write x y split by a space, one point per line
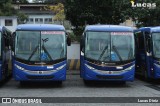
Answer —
147 78
145 75
58 82
86 82
23 83
122 82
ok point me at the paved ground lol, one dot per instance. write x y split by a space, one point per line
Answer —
75 87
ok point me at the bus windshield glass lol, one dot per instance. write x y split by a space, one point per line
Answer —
109 46
40 45
156 43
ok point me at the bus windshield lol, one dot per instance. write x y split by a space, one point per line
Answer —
156 43
40 45
109 46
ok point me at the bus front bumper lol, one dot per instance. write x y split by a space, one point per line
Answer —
92 74
43 75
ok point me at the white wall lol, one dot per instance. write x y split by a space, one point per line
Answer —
39 16
73 51
14 22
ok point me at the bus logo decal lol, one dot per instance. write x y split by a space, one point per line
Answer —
40 72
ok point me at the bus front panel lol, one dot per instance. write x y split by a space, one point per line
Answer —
24 72
40 55
103 48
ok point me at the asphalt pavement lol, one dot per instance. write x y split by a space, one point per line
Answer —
75 87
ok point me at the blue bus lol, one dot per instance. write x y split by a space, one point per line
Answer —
40 53
5 54
107 53
148 52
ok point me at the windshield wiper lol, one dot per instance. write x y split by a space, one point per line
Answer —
34 51
103 52
115 49
61 52
45 50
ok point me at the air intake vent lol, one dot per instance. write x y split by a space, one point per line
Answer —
40 77
109 77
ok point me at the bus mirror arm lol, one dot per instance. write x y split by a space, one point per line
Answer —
68 41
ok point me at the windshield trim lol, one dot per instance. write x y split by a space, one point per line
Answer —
47 62
110 61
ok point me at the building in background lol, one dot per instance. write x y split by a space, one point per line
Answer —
36 13
9 21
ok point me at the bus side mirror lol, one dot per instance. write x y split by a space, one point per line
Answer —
13 33
82 43
68 41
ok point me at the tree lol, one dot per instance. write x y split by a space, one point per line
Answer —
58 10
48 1
6 9
82 12
147 16
20 1
22 18
38 1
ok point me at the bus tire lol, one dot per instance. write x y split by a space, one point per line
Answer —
146 75
23 83
58 82
123 82
86 82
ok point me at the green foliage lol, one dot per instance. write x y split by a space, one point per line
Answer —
23 1
83 12
19 1
6 9
48 1
22 18
96 11
38 1
58 10
74 38
147 17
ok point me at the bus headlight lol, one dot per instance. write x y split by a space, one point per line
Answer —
129 68
89 67
109 71
19 67
59 68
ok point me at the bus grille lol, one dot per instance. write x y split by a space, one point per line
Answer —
109 77
40 77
